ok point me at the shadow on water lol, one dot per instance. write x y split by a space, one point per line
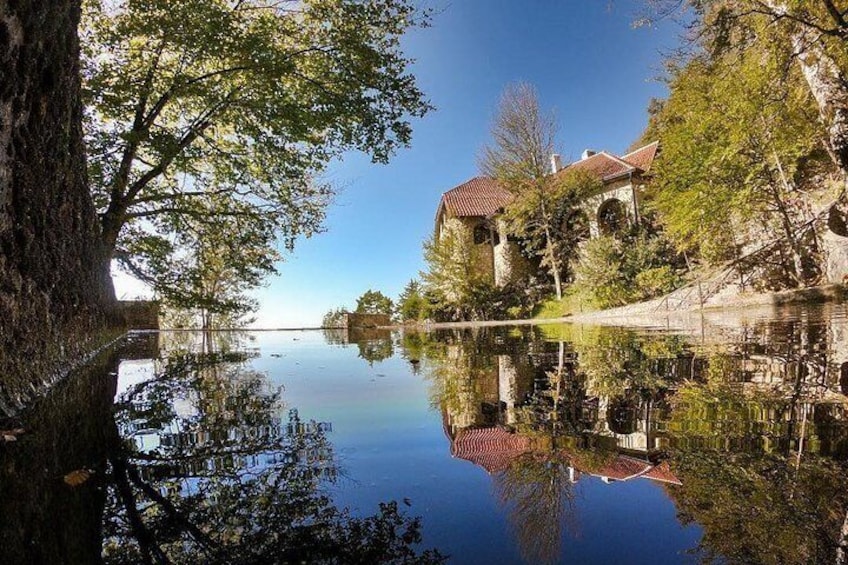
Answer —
199 461
744 426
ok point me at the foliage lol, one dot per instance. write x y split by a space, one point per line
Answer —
374 302
204 276
614 271
543 212
243 103
374 348
334 318
412 305
455 283
762 508
232 480
539 498
754 133
739 136
787 34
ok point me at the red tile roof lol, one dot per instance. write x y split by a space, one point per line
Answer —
481 196
603 165
491 448
643 157
662 473
622 468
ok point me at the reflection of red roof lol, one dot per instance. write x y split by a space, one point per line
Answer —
622 468
644 156
490 448
481 196
662 473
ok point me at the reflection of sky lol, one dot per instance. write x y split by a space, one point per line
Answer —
392 446
131 373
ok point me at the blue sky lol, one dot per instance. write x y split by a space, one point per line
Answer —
588 64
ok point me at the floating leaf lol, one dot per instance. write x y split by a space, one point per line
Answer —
78 477
11 435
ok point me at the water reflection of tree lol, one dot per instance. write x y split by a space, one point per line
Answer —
750 426
538 494
762 508
204 469
375 345
760 448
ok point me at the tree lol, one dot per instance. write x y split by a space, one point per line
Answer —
810 33
454 281
208 270
543 210
374 302
245 101
251 489
334 318
619 270
741 148
411 304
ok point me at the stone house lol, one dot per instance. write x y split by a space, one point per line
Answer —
474 207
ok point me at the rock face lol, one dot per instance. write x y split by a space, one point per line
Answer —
53 301
835 246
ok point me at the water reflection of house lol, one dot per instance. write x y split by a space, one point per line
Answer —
480 423
495 449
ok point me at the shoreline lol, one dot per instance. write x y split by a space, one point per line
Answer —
652 311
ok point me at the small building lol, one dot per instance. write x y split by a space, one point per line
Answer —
474 207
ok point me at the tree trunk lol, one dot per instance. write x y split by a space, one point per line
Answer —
53 295
827 82
554 264
842 549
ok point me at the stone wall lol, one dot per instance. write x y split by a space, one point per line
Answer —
52 291
352 320
621 190
139 314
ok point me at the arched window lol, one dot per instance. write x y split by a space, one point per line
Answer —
483 234
612 217
621 416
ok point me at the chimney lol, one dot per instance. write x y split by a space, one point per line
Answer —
556 163
587 153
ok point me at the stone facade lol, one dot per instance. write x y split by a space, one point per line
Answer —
473 210
351 320
624 191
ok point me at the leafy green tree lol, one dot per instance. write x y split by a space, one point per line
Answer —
615 271
458 288
742 149
374 302
207 272
333 318
242 101
806 35
411 304
543 211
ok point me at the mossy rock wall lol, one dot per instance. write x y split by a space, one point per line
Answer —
54 293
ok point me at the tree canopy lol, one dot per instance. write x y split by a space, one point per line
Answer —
412 305
374 302
543 211
214 112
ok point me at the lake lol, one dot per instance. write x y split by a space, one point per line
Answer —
724 438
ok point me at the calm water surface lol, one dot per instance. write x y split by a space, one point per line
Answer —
725 440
